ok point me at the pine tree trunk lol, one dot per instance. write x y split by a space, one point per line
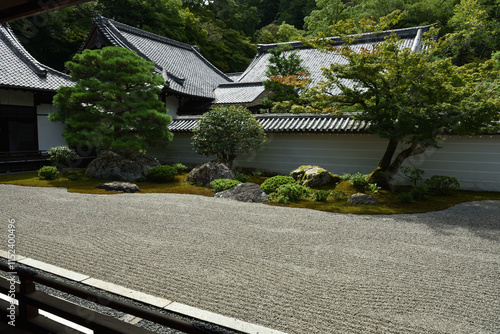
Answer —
379 176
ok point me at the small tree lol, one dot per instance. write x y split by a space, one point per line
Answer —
114 103
287 77
410 98
227 132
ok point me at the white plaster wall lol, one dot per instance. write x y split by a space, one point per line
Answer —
474 161
49 133
17 98
172 105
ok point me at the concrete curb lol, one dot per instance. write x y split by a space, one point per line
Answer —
163 303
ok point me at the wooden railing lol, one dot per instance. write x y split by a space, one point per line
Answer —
30 301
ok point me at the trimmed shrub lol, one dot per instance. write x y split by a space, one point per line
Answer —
223 184
294 192
413 173
272 184
48 173
62 155
359 181
405 197
161 174
442 184
274 197
320 196
180 168
419 192
339 195
241 177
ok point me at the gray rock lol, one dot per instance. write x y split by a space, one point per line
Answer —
314 176
362 199
208 172
121 166
245 192
124 187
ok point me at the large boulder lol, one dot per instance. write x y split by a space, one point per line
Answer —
245 192
206 173
121 166
362 199
124 187
314 176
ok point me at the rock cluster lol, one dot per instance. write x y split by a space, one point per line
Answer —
245 192
362 199
206 173
124 187
314 176
121 166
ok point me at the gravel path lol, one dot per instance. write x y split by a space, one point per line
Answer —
295 270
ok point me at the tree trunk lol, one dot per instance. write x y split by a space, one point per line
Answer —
378 175
386 169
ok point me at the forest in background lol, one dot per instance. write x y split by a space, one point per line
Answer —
227 31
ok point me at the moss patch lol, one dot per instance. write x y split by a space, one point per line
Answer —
388 202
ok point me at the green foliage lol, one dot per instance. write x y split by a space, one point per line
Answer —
294 192
413 173
48 173
339 195
406 197
419 192
286 75
180 168
345 177
373 188
227 132
223 184
241 177
114 102
161 174
427 97
274 197
62 154
442 184
359 181
272 184
320 195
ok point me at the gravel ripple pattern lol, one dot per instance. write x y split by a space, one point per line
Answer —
294 270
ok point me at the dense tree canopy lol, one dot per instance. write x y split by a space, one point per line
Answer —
226 30
226 132
411 98
114 103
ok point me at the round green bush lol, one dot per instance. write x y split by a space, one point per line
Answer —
272 184
62 154
294 192
180 168
48 173
405 197
161 174
223 184
442 184
320 196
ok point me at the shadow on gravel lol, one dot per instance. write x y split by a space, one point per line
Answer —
481 218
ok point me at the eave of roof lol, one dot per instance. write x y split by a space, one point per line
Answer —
288 123
20 70
186 71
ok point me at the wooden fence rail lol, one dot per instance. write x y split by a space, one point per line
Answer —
30 300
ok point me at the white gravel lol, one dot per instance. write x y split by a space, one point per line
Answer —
295 270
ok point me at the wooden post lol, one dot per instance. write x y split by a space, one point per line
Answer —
26 286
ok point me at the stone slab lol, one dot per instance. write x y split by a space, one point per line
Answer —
71 275
125 292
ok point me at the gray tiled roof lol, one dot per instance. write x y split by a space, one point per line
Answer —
18 69
243 93
314 59
184 69
281 123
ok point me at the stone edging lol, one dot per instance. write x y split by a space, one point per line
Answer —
163 303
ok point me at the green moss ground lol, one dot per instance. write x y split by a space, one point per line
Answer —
388 201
